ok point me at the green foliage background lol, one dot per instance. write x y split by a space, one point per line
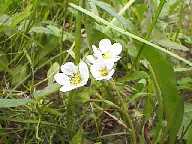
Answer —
149 98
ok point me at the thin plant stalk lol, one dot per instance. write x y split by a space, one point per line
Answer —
78 36
124 112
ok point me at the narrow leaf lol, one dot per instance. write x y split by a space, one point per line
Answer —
7 103
46 91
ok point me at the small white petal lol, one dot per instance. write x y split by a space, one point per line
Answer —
95 74
67 88
109 76
90 59
61 78
98 64
99 78
113 59
84 71
109 64
96 52
95 70
116 49
69 68
104 45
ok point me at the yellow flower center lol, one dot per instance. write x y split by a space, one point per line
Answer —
104 71
106 55
75 79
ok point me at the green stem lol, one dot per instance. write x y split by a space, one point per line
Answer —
65 3
78 36
125 115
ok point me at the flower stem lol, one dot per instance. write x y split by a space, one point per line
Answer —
125 115
78 36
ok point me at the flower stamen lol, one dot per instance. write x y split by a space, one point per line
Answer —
75 79
104 71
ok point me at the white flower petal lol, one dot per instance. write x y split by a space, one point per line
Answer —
90 59
116 49
69 68
113 59
67 88
96 52
84 71
109 76
109 64
98 64
104 45
99 78
95 72
61 78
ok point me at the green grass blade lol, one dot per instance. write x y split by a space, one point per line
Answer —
7 103
46 91
78 37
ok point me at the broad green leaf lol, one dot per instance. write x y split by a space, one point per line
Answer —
7 103
172 102
46 91
52 71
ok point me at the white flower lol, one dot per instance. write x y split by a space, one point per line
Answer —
106 51
102 70
72 76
